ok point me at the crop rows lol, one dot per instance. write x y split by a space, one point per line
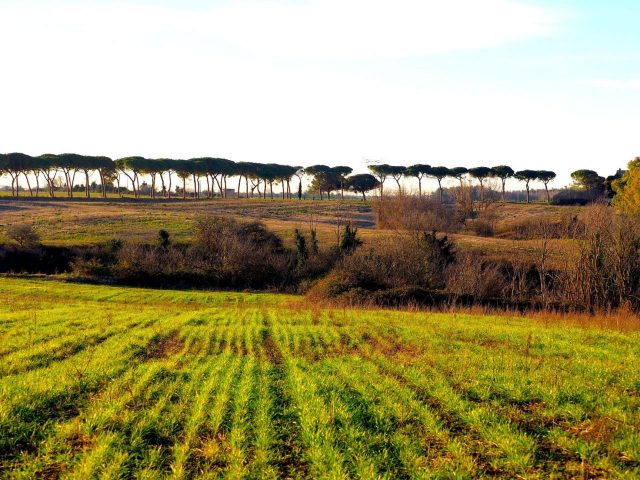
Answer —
124 383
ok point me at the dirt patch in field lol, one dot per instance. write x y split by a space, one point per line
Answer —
80 441
51 471
237 348
273 353
163 346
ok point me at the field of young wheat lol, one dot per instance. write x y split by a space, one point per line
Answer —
107 382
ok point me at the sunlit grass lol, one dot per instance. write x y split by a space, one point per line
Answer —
113 382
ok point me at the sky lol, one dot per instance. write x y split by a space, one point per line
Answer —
536 84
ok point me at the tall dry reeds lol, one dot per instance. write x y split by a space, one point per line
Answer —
412 213
605 271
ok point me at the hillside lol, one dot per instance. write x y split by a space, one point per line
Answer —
69 222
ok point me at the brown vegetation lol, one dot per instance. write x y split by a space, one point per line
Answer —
537 256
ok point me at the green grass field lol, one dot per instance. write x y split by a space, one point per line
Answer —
75 221
106 382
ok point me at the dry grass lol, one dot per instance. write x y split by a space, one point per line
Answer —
64 221
619 320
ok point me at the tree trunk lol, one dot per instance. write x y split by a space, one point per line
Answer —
364 199
184 188
102 186
49 182
440 189
133 183
67 179
136 178
164 189
37 183
86 181
28 184
73 181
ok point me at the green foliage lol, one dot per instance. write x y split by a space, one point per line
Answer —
588 180
164 239
325 179
439 172
438 250
527 176
362 183
609 190
24 234
301 248
419 171
627 188
349 240
503 172
481 172
314 241
458 172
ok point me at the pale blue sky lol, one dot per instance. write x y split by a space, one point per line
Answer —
535 84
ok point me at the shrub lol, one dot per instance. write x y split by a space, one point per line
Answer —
605 273
482 228
44 259
349 240
404 261
565 225
415 214
23 234
575 197
473 276
244 255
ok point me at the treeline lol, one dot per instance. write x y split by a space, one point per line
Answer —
257 178
210 176
481 174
